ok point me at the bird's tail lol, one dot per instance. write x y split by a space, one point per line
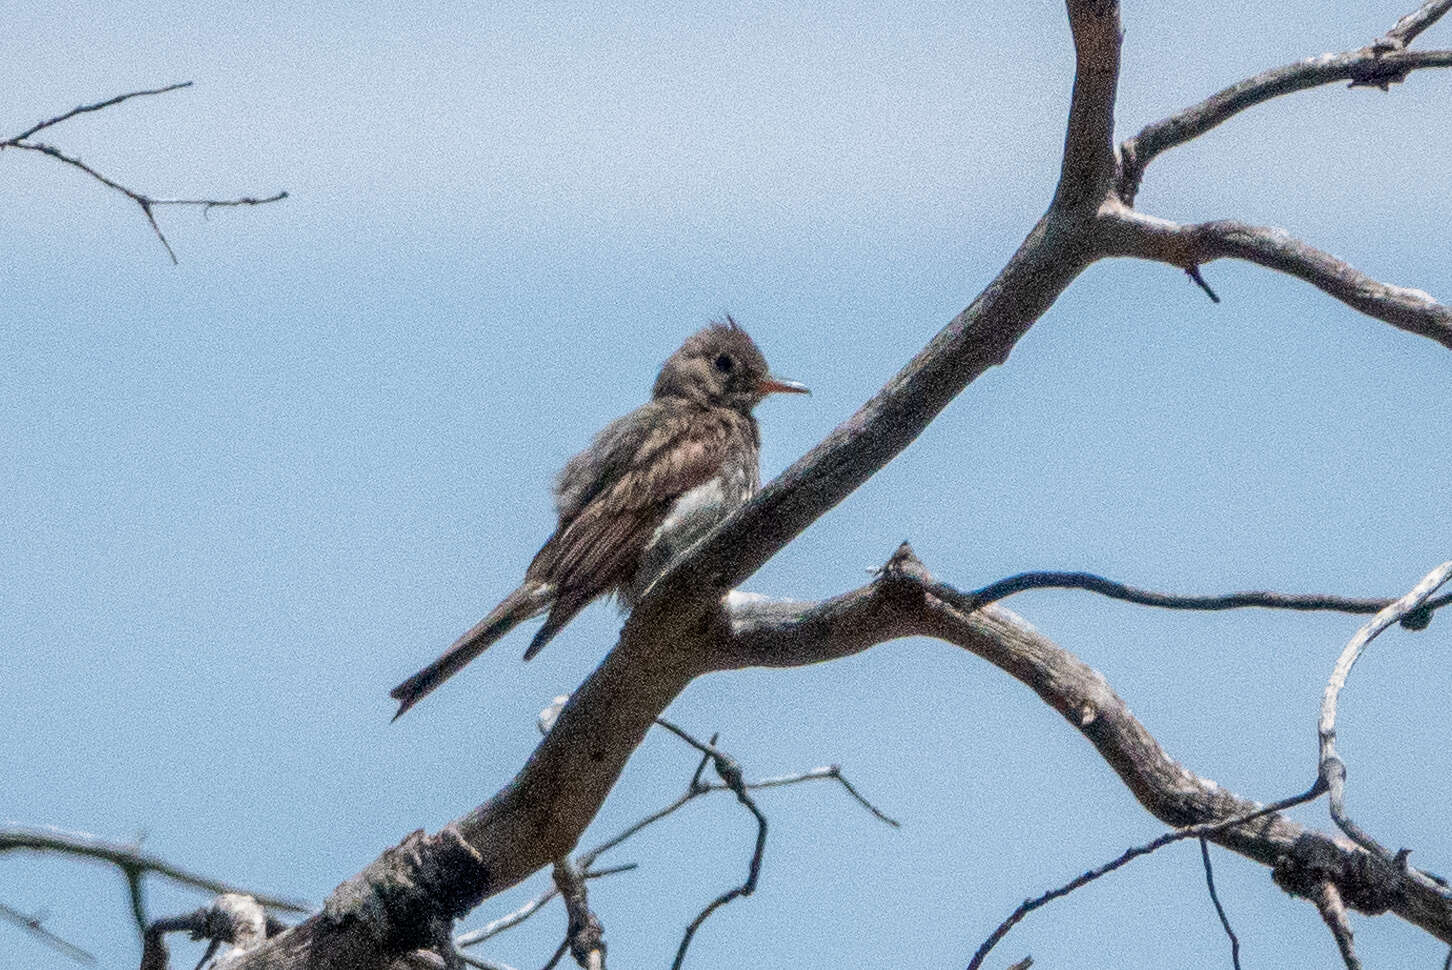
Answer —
530 599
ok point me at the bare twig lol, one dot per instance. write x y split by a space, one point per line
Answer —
584 935
730 773
554 960
146 202
513 919
694 789
137 895
1331 768
1194 273
97 106
1366 66
1333 911
1215 898
1022 582
35 926
480 962
127 858
1129 855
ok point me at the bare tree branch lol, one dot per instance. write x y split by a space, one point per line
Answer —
694 789
97 106
1088 163
730 774
584 934
1333 911
680 629
1201 832
513 919
1219 909
1368 66
1131 233
1331 769
127 858
146 202
1022 582
35 926
1407 28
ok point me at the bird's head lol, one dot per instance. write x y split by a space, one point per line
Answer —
720 366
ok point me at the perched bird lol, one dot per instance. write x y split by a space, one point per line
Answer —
649 485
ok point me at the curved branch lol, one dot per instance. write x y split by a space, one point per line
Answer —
1369 66
1265 599
1127 232
1330 768
539 815
906 601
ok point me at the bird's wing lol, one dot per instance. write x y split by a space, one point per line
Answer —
632 481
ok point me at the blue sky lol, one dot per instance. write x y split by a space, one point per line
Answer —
246 495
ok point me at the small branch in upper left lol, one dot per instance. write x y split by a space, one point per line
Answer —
148 203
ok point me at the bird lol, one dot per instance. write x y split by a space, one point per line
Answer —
649 485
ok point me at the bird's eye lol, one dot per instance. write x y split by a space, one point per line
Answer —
724 363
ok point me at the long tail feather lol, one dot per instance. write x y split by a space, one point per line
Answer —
561 613
530 599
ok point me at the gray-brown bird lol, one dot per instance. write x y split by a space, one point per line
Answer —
649 485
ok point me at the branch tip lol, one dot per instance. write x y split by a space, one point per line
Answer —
1194 273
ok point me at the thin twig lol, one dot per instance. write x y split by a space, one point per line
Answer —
97 106
1046 579
145 202
730 773
137 894
1194 273
553 961
481 962
1215 898
1331 768
35 926
513 919
127 857
1204 830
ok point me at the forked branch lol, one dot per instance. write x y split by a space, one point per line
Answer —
148 203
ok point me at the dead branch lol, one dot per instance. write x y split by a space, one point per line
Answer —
680 629
695 788
1201 832
147 203
1130 233
1380 64
34 924
1215 899
1266 599
584 935
729 771
129 859
1330 768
